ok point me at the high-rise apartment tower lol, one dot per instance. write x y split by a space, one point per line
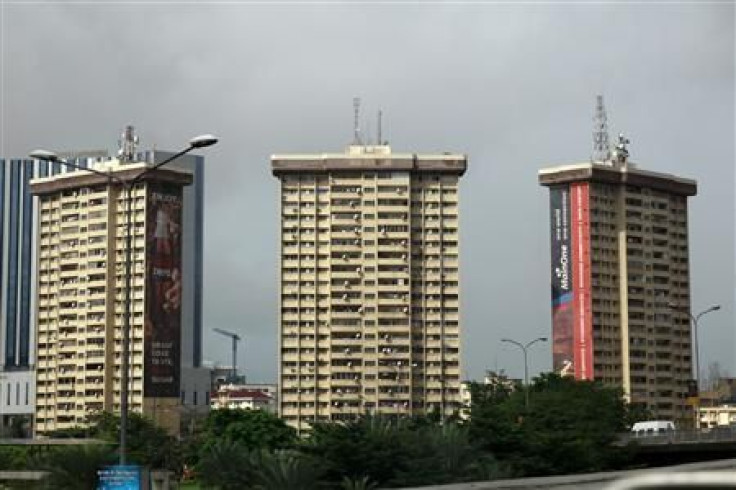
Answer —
18 238
80 291
619 245
369 307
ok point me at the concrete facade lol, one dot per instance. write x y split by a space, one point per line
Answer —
628 263
81 278
369 317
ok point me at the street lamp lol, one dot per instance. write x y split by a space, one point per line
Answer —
694 319
128 184
524 348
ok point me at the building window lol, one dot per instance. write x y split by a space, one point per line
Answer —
194 395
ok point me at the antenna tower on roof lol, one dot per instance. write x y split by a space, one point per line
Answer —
356 126
128 144
601 146
380 115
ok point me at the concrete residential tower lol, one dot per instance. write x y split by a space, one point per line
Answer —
18 259
369 319
81 276
619 244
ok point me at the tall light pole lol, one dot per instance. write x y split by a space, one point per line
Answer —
694 319
524 348
127 184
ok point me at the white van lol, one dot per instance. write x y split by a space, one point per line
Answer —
653 428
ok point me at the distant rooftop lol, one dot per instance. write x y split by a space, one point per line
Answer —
82 178
370 157
626 174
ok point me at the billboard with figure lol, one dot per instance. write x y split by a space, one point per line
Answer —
163 291
563 361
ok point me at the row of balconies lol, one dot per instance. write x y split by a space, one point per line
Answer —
309 315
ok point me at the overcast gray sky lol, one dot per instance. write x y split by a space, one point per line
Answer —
511 85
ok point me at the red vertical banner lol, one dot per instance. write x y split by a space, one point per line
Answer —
583 318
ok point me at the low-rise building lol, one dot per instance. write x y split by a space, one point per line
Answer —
718 416
244 397
17 403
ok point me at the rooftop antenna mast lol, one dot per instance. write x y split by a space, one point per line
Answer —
380 114
128 143
356 125
601 146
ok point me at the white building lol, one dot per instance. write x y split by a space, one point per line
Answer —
246 397
720 416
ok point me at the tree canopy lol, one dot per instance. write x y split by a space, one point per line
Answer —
568 427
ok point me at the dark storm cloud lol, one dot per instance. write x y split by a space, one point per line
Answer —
510 85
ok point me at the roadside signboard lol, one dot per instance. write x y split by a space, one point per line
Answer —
119 477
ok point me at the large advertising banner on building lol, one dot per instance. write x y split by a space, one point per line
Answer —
583 322
162 349
563 358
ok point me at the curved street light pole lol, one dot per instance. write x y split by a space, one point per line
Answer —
696 347
524 348
127 185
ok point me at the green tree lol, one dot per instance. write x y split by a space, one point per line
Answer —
637 412
15 457
396 452
147 443
364 483
286 469
436 454
569 426
572 425
73 467
254 429
371 446
227 465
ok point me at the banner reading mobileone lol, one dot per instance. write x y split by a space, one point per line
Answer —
563 361
163 286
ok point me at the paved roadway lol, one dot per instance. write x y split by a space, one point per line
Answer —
591 481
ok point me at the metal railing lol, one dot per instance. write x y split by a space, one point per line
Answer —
697 436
